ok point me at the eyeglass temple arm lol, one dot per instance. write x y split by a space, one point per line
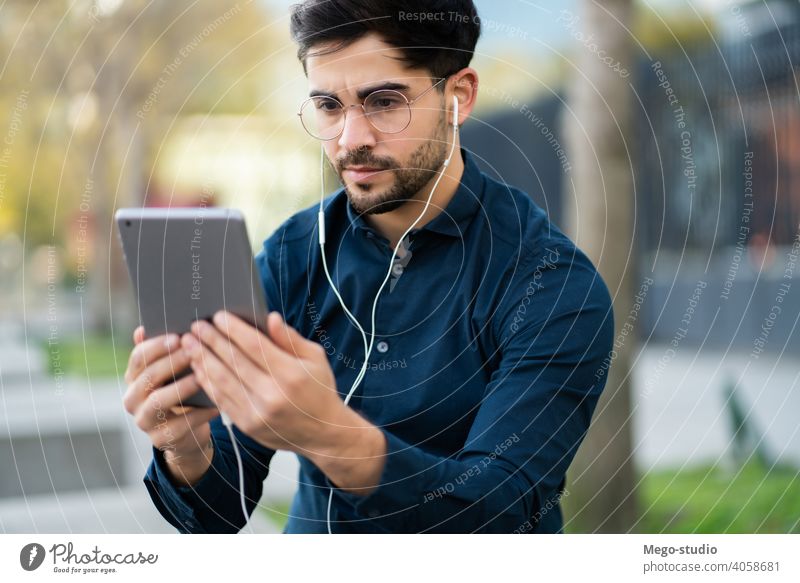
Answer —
426 91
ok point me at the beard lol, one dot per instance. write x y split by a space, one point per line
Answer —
409 179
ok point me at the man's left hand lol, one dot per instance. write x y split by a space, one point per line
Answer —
278 389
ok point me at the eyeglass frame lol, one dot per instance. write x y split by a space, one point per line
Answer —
345 108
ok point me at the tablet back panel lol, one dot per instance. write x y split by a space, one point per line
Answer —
187 263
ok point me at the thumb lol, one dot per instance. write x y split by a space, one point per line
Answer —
287 338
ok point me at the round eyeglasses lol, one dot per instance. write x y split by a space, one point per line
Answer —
388 111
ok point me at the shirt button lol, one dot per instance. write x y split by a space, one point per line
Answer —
383 347
397 269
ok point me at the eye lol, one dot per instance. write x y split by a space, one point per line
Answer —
385 101
327 105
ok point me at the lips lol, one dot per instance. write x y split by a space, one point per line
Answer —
361 173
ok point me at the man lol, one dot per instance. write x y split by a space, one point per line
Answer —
489 345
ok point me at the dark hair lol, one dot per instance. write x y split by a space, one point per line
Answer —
437 35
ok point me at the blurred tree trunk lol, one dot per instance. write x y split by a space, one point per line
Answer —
599 206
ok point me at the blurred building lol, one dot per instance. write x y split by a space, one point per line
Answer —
716 153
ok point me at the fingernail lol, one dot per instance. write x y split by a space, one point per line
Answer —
219 318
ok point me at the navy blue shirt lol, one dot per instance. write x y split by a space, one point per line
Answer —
491 348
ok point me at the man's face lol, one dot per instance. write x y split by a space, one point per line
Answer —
380 171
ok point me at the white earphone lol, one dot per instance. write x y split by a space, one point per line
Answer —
321 215
226 420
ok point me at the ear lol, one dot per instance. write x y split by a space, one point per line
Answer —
464 87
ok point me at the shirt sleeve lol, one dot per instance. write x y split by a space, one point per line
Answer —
213 504
555 330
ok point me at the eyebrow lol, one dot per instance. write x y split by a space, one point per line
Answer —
362 93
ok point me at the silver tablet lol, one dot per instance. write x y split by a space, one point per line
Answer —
185 265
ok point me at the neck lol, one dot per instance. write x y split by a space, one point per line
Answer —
393 224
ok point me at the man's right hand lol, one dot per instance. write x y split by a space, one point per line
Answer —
182 433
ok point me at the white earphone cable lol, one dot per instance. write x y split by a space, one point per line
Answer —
226 421
368 349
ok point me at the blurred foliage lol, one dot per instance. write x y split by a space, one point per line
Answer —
662 32
86 75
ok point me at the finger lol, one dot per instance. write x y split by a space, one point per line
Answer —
228 352
289 339
176 428
250 340
149 351
221 384
191 420
198 417
138 335
154 377
156 407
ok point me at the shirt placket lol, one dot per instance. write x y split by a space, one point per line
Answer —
388 311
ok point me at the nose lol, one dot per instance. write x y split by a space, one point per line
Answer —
357 131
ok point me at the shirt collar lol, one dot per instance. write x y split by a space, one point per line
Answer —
455 218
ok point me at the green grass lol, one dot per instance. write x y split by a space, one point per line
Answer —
712 500
703 500
696 500
277 513
98 357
